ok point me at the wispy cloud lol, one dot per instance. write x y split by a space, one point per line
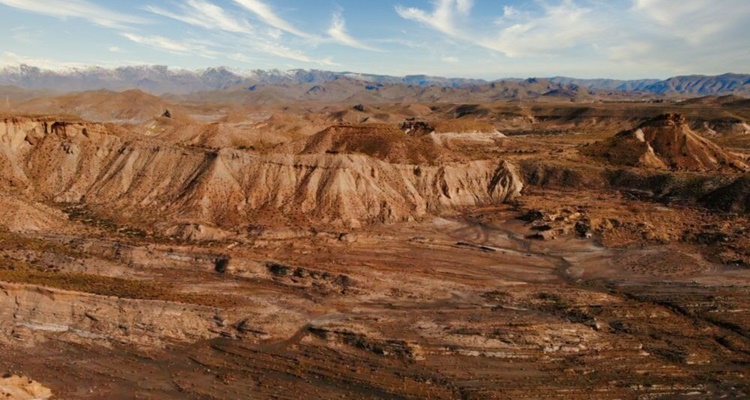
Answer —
229 32
10 58
76 9
402 42
226 28
633 35
626 38
337 32
173 46
25 35
552 30
709 36
696 21
268 16
283 53
240 34
205 15
442 18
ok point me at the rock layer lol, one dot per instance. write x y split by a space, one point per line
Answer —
28 310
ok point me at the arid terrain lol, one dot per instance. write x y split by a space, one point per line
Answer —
572 244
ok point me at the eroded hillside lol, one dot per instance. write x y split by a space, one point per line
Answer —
379 250
149 181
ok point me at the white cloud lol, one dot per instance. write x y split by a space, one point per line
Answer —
173 46
269 17
337 31
230 33
442 18
76 9
552 29
227 31
282 52
10 58
698 36
555 29
625 38
464 6
206 15
697 21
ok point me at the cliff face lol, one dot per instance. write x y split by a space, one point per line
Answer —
46 156
95 165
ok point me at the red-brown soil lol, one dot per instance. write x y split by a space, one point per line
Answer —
238 251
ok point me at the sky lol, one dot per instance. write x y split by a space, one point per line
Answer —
490 39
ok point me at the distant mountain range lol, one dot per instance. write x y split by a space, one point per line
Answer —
693 85
162 80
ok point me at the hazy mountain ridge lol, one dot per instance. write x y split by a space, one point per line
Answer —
703 85
349 90
161 80
607 84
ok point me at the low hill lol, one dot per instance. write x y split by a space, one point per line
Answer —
665 142
104 106
383 142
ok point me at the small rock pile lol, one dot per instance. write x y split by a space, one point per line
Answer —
551 225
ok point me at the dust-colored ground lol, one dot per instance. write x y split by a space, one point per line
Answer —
314 251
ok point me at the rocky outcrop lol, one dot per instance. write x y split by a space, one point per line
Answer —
417 128
728 126
48 156
15 387
29 314
666 142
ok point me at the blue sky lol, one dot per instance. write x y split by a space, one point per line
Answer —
466 38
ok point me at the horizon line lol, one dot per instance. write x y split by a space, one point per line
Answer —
240 71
